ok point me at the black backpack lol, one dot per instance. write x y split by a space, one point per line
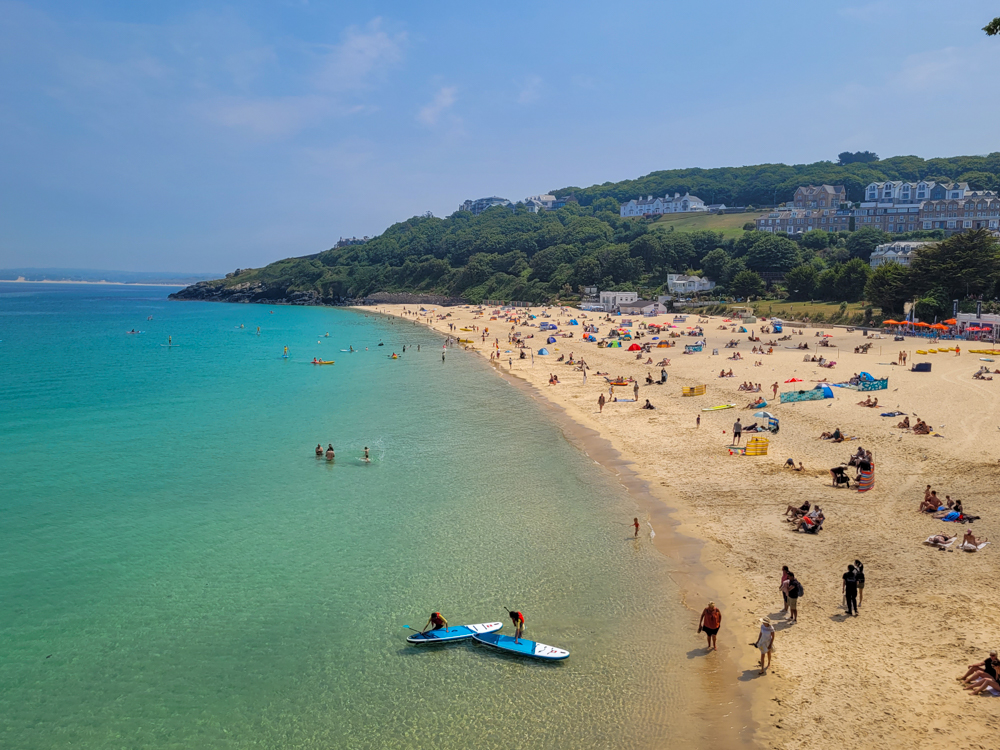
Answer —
798 589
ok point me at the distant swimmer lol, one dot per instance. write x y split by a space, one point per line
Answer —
635 522
352 348
518 619
170 340
258 330
327 335
286 352
367 458
329 452
242 326
319 449
437 620
150 317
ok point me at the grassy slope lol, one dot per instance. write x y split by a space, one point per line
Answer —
731 225
794 310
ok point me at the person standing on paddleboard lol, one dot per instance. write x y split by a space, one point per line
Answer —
518 619
437 620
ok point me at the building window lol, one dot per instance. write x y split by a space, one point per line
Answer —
966 224
927 225
951 225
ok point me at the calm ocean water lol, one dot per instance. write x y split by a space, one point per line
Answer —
177 569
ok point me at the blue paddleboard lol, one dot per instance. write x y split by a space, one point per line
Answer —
454 633
523 647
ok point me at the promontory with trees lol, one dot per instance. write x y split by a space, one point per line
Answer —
510 253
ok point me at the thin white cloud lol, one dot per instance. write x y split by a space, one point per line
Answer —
271 117
531 90
363 54
443 100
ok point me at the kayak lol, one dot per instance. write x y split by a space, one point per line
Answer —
324 362
523 647
455 633
719 407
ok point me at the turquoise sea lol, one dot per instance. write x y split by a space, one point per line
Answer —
178 569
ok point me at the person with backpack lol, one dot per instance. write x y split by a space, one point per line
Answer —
795 591
850 589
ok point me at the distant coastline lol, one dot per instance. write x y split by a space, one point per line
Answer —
22 280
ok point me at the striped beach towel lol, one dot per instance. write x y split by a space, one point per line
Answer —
866 480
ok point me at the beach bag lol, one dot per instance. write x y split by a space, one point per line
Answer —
799 591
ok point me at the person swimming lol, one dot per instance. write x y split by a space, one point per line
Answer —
319 449
329 452
367 458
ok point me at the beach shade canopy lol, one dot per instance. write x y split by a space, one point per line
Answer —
951 322
656 338
794 380
543 351
551 340
634 348
940 326
614 344
764 415
922 324
573 322
891 323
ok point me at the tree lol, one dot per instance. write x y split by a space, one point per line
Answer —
964 264
862 243
888 288
714 264
816 239
772 253
749 226
801 282
993 27
851 280
858 157
678 251
746 284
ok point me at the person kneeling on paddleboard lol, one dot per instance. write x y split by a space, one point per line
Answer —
518 619
437 620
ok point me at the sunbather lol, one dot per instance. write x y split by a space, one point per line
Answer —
970 540
941 541
905 424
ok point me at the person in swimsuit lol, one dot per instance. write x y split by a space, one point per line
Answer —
710 622
435 622
319 449
988 667
367 458
329 452
635 522
518 619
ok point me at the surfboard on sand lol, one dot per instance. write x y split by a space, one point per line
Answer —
719 407
454 633
523 647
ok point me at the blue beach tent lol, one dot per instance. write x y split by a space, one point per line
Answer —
573 322
543 351
551 340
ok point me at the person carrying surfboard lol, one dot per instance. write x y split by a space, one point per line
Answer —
518 619
437 620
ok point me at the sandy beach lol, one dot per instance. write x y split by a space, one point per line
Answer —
884 679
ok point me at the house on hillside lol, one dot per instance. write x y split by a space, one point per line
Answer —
820 196
481 204
613 300
678 283
798 220
641 307
651 206
895 252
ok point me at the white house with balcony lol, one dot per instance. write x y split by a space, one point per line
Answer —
895 252
679 283
679 204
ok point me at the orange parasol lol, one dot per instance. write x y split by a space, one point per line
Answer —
940 326
951 322
891 323
922 324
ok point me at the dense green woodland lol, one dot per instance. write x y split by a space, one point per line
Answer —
510 253
767 184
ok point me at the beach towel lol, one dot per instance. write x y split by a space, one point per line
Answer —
952 516
972 547
939 545
866 480
893 414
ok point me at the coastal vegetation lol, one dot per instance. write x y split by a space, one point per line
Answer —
510 253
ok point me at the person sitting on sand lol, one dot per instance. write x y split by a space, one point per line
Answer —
931 504
987 667
649 379
791 511
811 521
921 428
866 402
905 424
648 405
969 541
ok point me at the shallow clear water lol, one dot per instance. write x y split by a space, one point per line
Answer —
177 569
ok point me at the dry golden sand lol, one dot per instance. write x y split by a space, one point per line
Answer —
885 679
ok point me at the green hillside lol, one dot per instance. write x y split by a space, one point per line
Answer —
730 225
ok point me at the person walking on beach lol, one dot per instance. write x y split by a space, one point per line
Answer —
635 522
765 643
850 589
783 588
859 574
600 404
697 422
635 390
737 432
710 622
774 389
794 592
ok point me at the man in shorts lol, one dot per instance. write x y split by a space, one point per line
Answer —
793 597
737 432
710 622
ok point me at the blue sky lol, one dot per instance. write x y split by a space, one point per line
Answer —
205 136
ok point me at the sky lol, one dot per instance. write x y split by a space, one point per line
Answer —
202 137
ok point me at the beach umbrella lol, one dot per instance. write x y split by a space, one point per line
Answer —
922 324
794 380
940 326
765 415
656 338
828 335
951 322
891 323
634 348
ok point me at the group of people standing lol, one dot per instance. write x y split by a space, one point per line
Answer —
330 455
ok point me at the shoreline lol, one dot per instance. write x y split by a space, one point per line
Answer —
691 571
93 283
834 679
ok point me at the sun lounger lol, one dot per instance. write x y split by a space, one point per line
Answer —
940 545
972 547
